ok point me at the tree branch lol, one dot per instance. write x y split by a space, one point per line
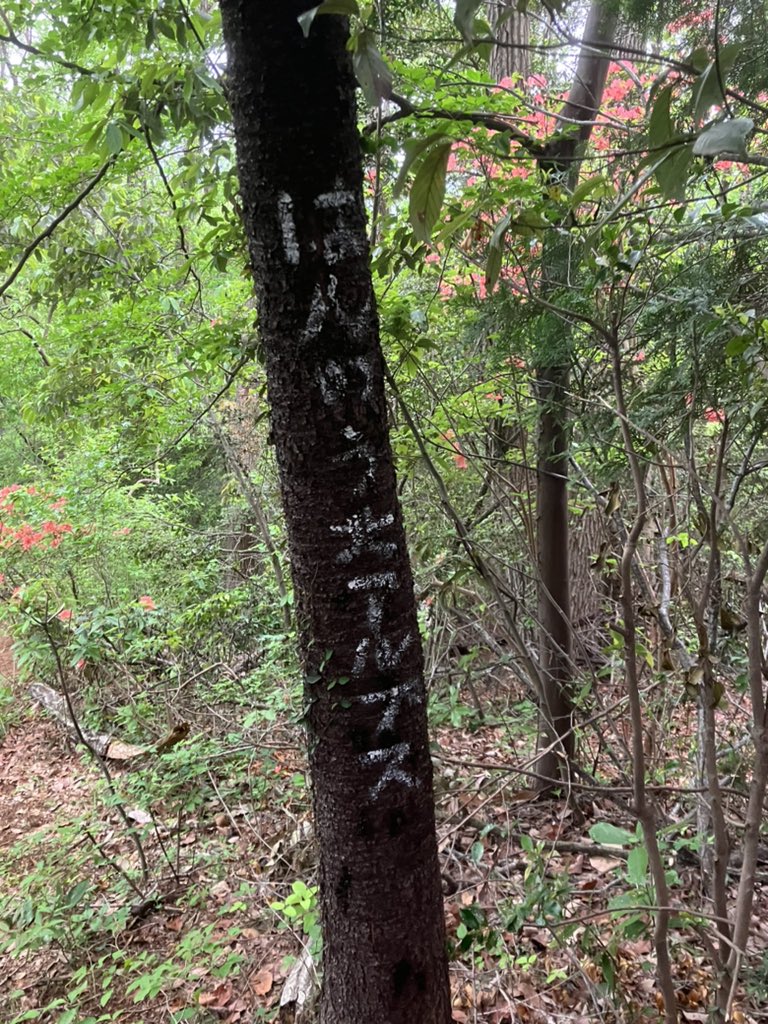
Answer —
47 232
494 122
14 40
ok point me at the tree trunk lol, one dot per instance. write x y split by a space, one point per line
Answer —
552 384
510 55
300 171
554 603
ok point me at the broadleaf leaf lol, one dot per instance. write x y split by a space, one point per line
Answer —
464 18
428 190
413 150
114 138
372 72
607 834
660 123
305 20
637 866
725 137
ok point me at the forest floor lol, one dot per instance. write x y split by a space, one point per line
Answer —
193 937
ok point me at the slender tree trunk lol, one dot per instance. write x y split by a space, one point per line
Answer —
300 173
552 384
554 598
510 55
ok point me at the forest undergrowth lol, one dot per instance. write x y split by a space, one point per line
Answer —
185 889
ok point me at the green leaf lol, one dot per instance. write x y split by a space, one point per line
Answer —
672 172
737 346
706 91
698 58
464 18
492 267
372 72
166 29
148 81
637 866
84 91
725 137
528 222
497 238
586 188
660 124
75 895
348 8
305 20
428 191
611 835
456 226
114 138
413 149
495 251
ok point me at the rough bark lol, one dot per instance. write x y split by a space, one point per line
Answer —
552 385
510 56
300 172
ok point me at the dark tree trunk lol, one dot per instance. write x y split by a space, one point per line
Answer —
554 604
510 55
299 164
552 385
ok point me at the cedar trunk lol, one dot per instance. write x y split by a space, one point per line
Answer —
510 54
300 170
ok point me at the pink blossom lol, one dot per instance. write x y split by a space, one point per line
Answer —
714 416
146 602
459 458
64 615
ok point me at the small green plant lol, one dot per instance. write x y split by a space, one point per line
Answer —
756 980
10 714
300 910
545 894
475 935
450 708
638 891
